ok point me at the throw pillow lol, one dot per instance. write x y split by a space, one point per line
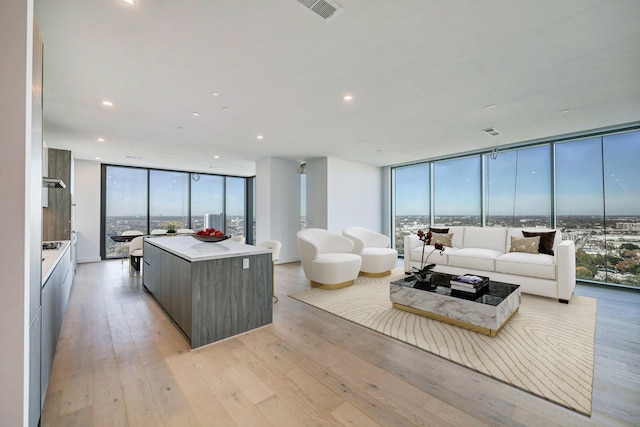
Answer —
445 239
527 245
436 230
546 240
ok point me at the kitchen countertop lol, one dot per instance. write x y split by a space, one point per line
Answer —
188 248
51 258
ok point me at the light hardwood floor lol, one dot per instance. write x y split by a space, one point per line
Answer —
121 362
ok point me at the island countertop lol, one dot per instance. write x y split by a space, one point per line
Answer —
193 250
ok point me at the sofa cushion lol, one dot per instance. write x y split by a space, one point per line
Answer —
523 264
485 237
525 244
444 239
546 240
518 232
435 230
474 258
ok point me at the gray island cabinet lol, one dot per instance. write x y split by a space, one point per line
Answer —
211 291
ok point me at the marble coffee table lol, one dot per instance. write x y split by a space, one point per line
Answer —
486 313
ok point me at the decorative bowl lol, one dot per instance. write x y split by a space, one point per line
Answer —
209 239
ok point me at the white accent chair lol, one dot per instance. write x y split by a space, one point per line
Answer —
326 258
378 259
274 246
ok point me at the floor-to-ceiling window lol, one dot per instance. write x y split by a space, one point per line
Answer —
144 199
588 188
457 191
125 201
598 205
412 201
168 200
235 206
207 198
621 153
518 187
580 202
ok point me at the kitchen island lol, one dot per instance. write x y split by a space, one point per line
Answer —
211 291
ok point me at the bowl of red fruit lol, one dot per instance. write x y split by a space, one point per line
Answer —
210 235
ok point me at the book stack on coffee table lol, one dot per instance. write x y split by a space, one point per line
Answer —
469 283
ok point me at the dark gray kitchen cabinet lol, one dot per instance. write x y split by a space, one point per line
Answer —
211 299
55 295
180 293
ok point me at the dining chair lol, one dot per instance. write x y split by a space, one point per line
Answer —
135 256
126 244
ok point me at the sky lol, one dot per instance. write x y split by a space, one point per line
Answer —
527 174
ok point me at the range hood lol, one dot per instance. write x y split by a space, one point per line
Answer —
53 183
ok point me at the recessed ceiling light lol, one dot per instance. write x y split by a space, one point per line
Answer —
260 137
216 157
490 107
100 139
107 103
566 110
347 98
226 108
128 1
215 93
195 114
97 158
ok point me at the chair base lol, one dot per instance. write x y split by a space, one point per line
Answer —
382 274
331 286
135 266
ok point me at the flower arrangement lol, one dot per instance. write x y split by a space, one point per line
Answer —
424 271
171 226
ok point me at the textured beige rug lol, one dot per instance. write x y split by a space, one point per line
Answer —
545 349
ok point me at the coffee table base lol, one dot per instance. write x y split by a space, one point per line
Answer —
455 322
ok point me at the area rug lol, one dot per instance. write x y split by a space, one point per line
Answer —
546 349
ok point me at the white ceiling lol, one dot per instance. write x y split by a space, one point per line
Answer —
421 73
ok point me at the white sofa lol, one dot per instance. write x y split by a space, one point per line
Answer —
486 251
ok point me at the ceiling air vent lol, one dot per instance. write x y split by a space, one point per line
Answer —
323 8
492 131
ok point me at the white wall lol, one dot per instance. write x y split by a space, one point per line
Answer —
87 211
278 205
341 193
16 29
317 203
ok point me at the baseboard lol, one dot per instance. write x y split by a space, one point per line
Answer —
86 260
288 260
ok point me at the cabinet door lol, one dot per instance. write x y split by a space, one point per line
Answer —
180 308
150 269
35 343
48 333
164 279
